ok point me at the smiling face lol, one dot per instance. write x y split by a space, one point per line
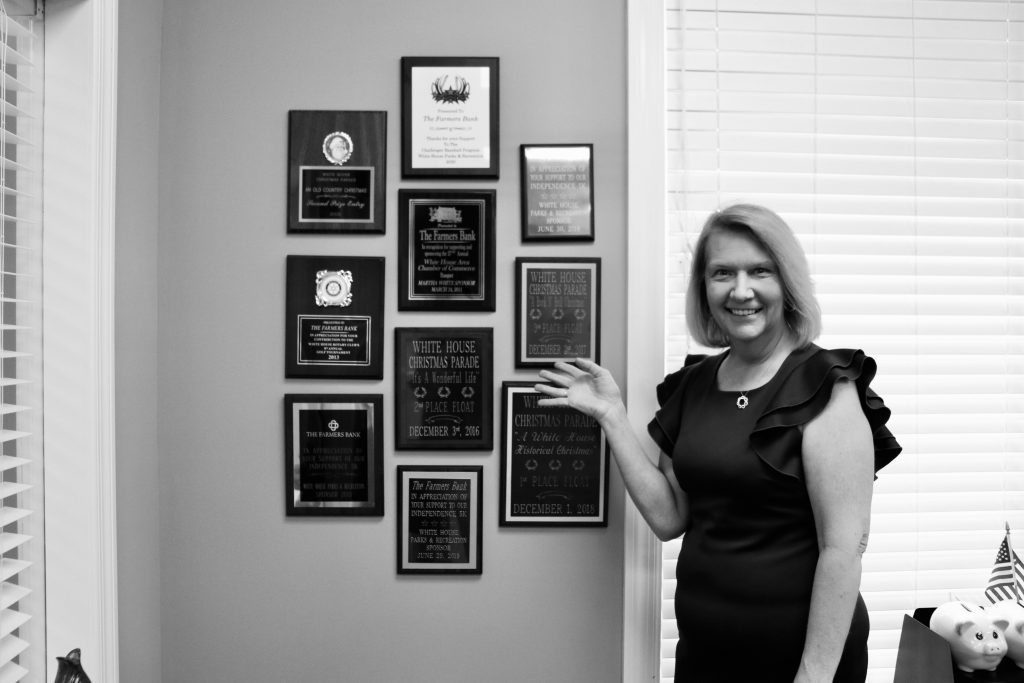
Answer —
744 293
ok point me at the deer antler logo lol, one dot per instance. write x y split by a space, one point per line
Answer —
457 92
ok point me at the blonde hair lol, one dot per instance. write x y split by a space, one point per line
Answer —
800 307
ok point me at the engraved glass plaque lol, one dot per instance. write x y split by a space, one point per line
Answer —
333 454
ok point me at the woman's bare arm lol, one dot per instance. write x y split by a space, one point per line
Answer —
590 389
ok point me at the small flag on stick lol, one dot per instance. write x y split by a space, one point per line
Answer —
1007 580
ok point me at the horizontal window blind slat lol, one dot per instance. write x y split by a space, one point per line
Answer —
8 462
18 31
9 541
12 488
11 647
854 205
10 621
10 515
12 434
12 673
11 594
10 568
10 408
931 149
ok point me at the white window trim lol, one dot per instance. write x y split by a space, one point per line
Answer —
641 658
80 124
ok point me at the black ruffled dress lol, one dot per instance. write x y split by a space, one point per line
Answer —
747 562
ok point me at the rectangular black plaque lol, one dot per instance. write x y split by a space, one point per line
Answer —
439 520
444 388
450 117
446 250
336 171
333 454
557 192
334 317
558 310
554 464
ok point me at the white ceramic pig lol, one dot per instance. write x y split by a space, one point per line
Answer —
1014 614
974 636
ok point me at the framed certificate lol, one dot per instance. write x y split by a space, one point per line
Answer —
336 171
439 520
334 317
554 463
450 117
558 310
557 192
446 250
333 454
444 388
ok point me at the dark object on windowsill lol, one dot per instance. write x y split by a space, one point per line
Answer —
69 669
924 657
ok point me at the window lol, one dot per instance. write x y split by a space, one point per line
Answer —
22 642
889 134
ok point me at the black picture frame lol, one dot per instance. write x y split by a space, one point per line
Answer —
446 250
448 540
554 463
556 189
334 455
334 317
450 117
337 171
558 310
444 388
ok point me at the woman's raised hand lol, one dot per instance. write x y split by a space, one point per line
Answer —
583 385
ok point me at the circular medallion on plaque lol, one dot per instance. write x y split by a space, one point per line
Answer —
337 147
333 288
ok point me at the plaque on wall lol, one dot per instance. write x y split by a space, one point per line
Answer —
333 454
336 171
334 317
446 250
439 520
450 117
444 388
554 464
557 192
558 310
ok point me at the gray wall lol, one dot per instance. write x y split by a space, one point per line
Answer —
245 593
136 340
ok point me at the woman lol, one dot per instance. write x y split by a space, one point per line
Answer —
769 451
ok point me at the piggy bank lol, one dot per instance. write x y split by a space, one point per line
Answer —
1013 612
974 636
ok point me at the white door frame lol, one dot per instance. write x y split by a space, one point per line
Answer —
646 315
79 129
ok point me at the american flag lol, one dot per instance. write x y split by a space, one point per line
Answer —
1007 579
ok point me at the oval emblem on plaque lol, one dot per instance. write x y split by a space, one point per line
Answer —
333 288
338 147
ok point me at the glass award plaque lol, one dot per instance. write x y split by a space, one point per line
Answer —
558 310
333 454
439 520
554 463
444 388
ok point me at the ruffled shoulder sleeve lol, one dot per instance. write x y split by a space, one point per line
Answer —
664 428
804 392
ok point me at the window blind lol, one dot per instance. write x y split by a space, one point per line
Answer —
889 134
21 578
